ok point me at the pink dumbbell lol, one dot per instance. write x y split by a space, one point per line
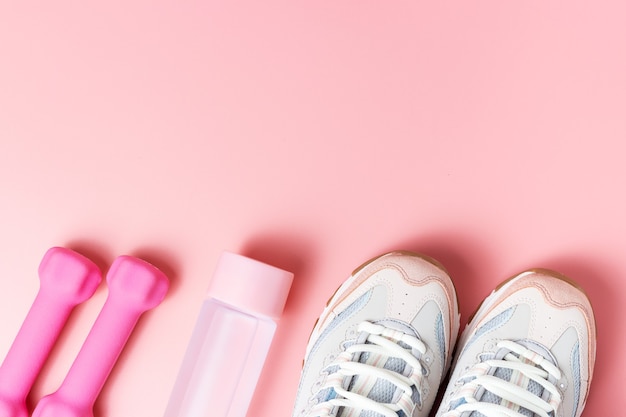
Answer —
135 286
66 280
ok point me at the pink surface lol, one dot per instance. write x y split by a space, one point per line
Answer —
488 135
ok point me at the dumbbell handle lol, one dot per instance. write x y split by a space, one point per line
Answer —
99 353
33 344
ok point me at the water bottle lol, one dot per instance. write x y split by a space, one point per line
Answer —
231 339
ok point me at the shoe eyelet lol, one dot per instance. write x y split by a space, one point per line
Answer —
351 333
329 359
490 345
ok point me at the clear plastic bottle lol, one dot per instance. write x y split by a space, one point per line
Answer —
231 339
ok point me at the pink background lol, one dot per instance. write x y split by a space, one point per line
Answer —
490 135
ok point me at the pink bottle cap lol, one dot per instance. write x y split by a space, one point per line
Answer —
250 285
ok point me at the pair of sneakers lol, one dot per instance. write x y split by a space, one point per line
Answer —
384 344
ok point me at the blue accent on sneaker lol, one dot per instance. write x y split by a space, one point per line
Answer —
576 376
345 314
455 404
330 393
441 338
493 324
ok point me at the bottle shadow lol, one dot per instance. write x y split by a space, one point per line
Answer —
297 255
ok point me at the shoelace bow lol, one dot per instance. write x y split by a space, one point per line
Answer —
529 365
382 343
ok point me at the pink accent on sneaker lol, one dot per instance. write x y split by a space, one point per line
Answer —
67 279
135 286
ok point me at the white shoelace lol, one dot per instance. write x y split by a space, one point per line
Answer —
382 344
526 366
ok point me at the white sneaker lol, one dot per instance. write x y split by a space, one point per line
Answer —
528 351
383 343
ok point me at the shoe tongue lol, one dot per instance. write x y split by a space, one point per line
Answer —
381 390
537 348
515 377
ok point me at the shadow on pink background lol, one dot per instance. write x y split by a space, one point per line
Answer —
312 136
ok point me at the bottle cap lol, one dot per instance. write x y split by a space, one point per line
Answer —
250 285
